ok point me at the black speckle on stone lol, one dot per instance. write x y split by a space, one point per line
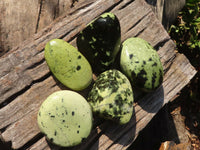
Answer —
130 104
155 64
79 57
110 105
51 139
55 133
77 131
79 126
82 139
140 78
73 113
39 113
115 112
153 80
131 56
118 100
136 62
63 114
150 59
42 124
78 68
161 77
52 116
51 51
144 62
66 112
99 99
63 120
105 114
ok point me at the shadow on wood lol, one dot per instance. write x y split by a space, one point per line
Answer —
156 98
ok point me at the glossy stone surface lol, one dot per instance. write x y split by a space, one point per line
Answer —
100 41
65 117
68 65
141 64
111 97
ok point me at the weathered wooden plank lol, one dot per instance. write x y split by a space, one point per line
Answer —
17 22
26 80
166 10
21 61
21 19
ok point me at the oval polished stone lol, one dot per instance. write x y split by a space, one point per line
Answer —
68 65
65 117
111 97
141 64
100 41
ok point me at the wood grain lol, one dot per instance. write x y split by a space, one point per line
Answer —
19 20
25 80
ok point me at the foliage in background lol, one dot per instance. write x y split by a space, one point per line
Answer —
186 31
186 34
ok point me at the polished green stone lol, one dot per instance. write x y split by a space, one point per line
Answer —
141 63
111 97
65 117
68 65
100 41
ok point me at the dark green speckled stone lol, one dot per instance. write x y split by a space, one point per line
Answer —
111 97
100 41
141 64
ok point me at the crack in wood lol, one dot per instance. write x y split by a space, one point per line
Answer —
39 14
113 6
161 43
36 138
34 65
126 4
14 96
84 6
56 11
141 31
135 24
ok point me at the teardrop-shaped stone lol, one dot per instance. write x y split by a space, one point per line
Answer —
100 41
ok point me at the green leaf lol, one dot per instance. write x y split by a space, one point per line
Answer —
197 20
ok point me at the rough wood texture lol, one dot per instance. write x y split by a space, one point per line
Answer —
166 10
25 80
21 19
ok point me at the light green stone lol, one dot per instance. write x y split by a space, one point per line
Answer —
68 65
111 15
65 118
141 63
111 97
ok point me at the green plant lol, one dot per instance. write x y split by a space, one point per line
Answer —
186 34
186 31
